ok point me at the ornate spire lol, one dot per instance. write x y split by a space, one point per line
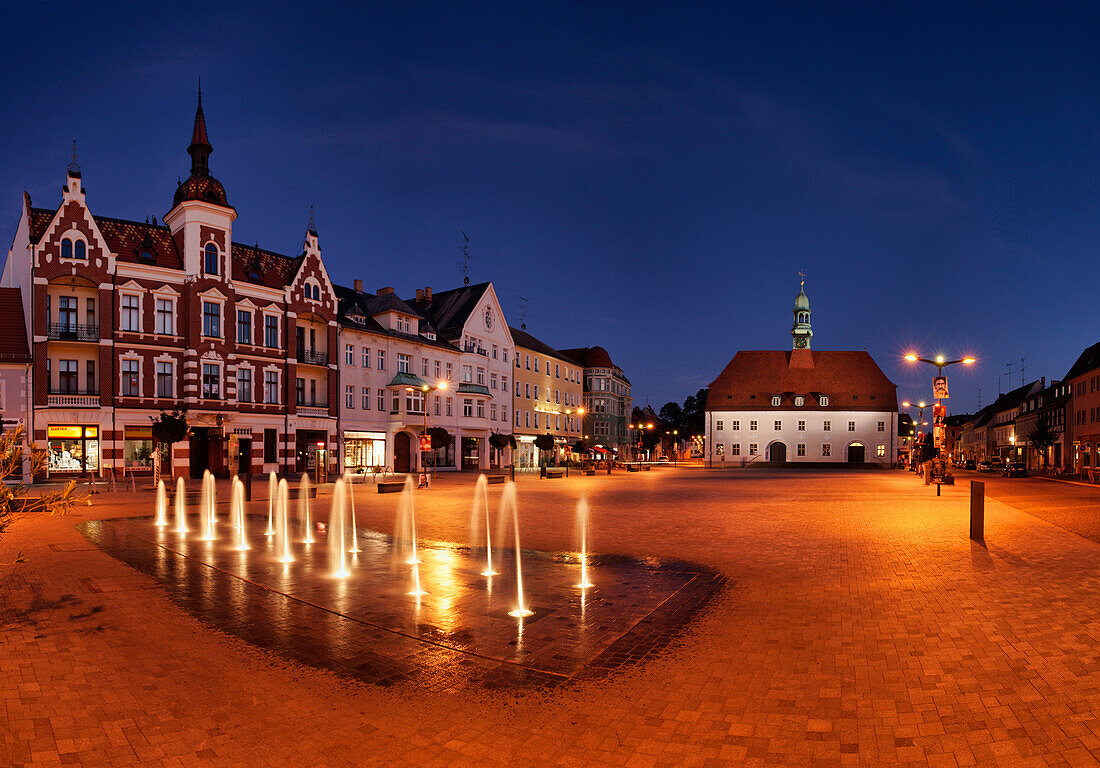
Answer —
200 148
801 331
312 227
74 166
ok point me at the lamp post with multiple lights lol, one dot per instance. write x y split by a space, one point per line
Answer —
939 388
639 430
425 388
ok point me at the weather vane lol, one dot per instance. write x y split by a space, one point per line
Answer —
801 279
465 258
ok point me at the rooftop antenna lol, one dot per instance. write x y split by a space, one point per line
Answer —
979 398
1022 369
312 226
522 312
465 258
1009 366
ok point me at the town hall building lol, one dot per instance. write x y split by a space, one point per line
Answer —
801 406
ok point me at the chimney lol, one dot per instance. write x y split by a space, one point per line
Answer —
358 286
384 291
419 295
1042 382
428 292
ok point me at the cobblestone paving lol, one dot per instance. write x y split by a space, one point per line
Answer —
862 627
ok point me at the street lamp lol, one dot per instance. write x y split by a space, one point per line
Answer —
919 426
425 388
639 430
939 386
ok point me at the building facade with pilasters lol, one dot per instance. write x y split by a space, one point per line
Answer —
129 319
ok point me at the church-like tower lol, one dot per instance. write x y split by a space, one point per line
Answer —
801 331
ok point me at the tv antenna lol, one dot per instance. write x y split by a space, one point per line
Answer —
522 311
979 398
1009 366
1022 369
465 258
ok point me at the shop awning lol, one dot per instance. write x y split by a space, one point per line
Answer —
473 389
599 449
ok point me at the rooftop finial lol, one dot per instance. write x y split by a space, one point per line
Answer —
801 279
312 227
200 90
74 166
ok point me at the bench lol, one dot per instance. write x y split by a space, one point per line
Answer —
590 472
391 487
495 479
552 473
633 468
647 467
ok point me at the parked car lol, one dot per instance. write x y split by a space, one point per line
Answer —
1014 469
985 465
969 464
662 459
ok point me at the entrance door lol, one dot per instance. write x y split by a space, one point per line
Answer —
402 452
471 453
199 450
856 453
777 452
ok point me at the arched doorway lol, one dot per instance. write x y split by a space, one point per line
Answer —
777 453
857 454
402 452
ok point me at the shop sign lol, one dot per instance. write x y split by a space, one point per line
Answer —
64 432
139 433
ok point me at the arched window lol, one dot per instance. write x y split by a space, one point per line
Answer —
81 252
66 248
211 263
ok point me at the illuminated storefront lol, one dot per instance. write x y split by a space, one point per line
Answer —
137 447
364 449
72 449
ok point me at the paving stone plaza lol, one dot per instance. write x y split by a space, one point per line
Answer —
738 618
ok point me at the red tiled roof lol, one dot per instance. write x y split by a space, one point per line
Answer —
129 238
590 357
851 380
13 343
201 187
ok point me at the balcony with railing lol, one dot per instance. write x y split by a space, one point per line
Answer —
475 349
72 399
312 357
312 410
72 332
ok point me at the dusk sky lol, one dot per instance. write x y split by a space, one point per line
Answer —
651 177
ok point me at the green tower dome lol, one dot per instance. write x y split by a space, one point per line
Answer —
801 331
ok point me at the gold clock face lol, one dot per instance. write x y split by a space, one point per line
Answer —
800 342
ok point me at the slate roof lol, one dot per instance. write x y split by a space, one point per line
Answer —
348 300
523 339
1089 360
129 238
448 311
851 380
13 343
590 357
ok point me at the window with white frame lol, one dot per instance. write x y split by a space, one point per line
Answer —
752 449
271 387
381 359
468 374
800 449
165 317
467 406
130 374
366 398
851 426
349 396
801 425
776 400
450 372
718 425
799 401
880 450
244 326
827 426
449 406
164 380
823 400
778 425
381 399
211 319
735 425
826 449
481 409
131 312
271 331
210 262
735 449
211 381
752 426
366 357
403 363
244 384
882 426
349 354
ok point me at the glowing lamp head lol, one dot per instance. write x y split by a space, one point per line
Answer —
442 385
939 358
911 357
969 361
906 404
922 404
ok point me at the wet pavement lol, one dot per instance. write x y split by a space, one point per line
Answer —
368 625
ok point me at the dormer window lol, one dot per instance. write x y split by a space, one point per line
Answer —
799 401
776 400
145 255
823 400
429 335
210 261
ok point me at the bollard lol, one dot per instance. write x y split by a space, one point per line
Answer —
977 511
246 481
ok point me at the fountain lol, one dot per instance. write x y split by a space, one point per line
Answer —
337 523
162 504
481 493
207 502
282 524
508 501
304 509
582 535
181 508
354 527
236 514
404 537
272 489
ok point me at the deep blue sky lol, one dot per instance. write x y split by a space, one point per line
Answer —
651 177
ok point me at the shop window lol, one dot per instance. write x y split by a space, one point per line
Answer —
72 449
271 438
137 447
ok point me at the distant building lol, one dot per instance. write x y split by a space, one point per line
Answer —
548 400
607 402
1083 379
1044 410
802 406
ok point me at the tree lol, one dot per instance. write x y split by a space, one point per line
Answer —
694 414
672 417
544 443
14 501
501 441
1043 436
580 447
440 437
170 428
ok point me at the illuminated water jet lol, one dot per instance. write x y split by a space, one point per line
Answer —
305 508
508 501
236 514
208 501
272 489
181 506
162 504
337 523
477 513
582 534
282 523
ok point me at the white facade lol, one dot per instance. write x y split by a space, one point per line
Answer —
741 438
